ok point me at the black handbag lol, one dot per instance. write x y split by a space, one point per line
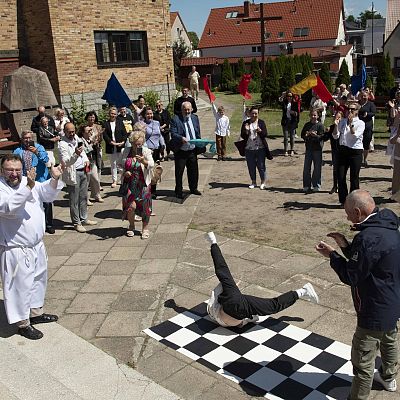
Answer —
123 189
241 145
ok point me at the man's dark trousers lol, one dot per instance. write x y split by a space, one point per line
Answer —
239 305
186 159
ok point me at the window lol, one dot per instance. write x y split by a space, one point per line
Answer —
256 49
121 48
299 32
397 62
231 14
281 34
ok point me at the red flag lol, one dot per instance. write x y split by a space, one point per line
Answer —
322 91
210 94
244 85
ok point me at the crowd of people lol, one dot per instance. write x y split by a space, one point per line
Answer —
137 140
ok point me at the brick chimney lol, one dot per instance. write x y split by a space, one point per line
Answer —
246 8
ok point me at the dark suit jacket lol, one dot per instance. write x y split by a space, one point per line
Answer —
35 126
180 100
120 135
178 131
294 119
244 133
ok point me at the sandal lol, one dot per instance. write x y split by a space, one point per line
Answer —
145 234
130 232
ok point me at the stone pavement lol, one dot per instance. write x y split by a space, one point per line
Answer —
107 288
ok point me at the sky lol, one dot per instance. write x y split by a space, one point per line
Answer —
195 12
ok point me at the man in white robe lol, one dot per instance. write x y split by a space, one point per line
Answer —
23 259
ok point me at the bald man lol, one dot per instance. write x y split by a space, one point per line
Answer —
371 267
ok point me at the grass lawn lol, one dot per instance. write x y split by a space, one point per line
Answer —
272 118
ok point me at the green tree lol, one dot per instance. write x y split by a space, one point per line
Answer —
351 18
343 75
270 87
194 39
385 80
297 64
288 78
241 68
367 14
325 76
255 70
368 82
226 75
179 51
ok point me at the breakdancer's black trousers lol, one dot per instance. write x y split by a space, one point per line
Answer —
239 305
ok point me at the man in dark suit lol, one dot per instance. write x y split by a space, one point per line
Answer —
35 126
180 100
183 128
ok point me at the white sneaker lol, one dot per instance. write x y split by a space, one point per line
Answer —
262 186
211 237
310 294
252 186
79 228
89 203
138 218
89 222
390 386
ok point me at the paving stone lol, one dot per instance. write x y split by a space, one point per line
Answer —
56 261
93 246
193 233
68 237
197 257
74 273
121 348
162 251
73 322
172 239
266 255
187 275
63 249
240 267
105 284
151 366
135 241
156 266
56 306
92 303
237 247
125 267
125 323
85 258
202 243
269 277
172 228
298 263
136 301
63 290
324 271
124 253
189 380
223 391
177 218
146 282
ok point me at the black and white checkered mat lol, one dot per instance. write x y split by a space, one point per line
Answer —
271 358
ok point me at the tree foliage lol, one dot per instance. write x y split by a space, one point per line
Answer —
288 78
226 75
367 14
343 76
241 68
385 80
270 86
255 70
179 51
325 76
194 39
351 18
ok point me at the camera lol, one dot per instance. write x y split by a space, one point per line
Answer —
80 143
139 151
31 143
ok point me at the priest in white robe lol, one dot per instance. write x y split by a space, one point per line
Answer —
23 258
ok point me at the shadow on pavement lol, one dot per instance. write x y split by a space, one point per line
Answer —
296 205
6 330
224 185
107 233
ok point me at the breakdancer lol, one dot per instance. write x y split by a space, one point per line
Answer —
229 307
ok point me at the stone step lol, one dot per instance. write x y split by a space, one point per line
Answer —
63 366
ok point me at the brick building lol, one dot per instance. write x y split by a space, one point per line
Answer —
9 38
80 43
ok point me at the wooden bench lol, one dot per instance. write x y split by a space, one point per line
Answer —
6 142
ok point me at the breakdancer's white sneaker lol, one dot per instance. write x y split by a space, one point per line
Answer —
211 237
310 293
390 386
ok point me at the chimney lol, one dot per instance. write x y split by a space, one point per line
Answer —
246 8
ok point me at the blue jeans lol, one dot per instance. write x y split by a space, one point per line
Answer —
312 157
256 158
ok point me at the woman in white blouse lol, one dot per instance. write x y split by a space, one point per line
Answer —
60 120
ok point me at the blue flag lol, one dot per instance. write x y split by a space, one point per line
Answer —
115 94
358 81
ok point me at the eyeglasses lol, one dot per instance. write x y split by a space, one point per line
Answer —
352 109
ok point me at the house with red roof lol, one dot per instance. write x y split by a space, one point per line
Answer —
178 30
315 27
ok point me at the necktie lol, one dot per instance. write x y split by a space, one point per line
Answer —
191 134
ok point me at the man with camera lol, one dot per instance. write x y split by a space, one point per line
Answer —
76 166
35 156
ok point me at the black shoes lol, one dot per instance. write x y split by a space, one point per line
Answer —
43 319
50 230
195 192
30 332
333 190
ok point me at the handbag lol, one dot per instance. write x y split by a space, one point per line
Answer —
240 145
123 189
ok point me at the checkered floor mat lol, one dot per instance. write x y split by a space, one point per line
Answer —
271 358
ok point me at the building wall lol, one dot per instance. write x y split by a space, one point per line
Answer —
9 38
378 32
178 31
73 69
392 46
341 38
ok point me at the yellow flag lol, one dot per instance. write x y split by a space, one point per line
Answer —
304 85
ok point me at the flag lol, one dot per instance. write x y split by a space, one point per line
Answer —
307 83
244 85
115 93
358 81
321 90
207 89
